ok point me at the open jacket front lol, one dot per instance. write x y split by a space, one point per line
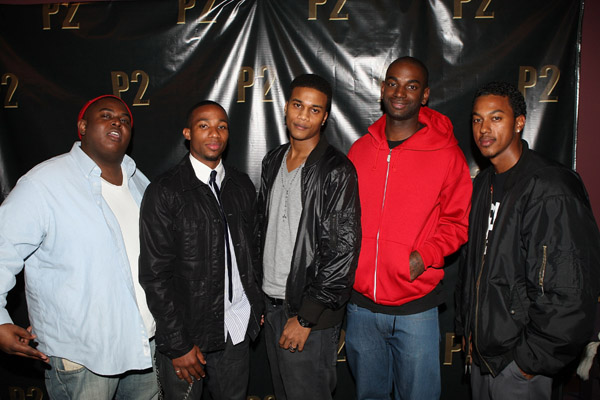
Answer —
182 257
328 240
531 297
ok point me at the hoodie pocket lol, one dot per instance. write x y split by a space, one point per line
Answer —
393 273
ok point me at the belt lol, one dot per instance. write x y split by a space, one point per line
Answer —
274 302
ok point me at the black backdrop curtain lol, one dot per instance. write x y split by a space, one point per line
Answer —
161 57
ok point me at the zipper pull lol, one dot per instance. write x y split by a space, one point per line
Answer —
389 157
543 269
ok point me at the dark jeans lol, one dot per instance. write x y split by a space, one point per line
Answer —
306 374
509 384
227 373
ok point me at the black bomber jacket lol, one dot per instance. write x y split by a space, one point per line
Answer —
327 244
532 296
182 256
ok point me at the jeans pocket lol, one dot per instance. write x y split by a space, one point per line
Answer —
70 366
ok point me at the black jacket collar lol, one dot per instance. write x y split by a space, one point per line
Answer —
318 151
518 170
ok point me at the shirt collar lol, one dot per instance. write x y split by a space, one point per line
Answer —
89 167
202 170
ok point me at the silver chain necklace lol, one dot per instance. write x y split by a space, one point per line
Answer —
287 189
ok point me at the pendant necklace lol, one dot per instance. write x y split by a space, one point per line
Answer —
287 189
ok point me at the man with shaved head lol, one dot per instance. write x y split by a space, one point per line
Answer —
72 223
415 194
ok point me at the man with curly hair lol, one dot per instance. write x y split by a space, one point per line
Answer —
528 283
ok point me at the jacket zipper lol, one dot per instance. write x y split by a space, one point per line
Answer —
387 172
543 268
477 284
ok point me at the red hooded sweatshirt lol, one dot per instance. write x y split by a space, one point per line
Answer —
416 196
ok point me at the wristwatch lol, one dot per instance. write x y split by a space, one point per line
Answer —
304 323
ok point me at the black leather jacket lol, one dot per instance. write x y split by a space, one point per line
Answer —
182 257
531 297
325 254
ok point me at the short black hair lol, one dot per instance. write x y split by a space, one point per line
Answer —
505 89
188 118
314 82
416 62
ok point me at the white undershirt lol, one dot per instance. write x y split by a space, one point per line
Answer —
127 212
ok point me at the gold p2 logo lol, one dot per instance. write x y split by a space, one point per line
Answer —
120 84
528 78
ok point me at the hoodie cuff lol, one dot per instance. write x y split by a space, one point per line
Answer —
428 254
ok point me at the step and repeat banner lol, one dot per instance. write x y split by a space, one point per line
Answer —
162 56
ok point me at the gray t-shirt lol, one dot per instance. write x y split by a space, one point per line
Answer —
285 208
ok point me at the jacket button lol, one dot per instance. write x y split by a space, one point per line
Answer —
512 312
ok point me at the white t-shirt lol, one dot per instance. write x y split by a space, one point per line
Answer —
127 212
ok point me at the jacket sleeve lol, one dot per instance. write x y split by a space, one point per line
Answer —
454 204
562 246
260 222
254 292
338 245
156 261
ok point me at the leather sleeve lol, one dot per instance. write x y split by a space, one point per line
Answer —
156 270
260 221
336 255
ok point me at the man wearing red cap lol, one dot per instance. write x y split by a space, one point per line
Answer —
72 222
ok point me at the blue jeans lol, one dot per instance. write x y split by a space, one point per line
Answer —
66 380
396 354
